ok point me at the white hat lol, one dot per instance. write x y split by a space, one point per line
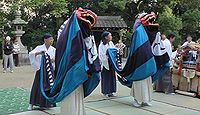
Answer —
8 38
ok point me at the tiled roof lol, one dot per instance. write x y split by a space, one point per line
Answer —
110 22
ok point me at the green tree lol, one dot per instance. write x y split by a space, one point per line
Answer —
170 23
181 6
191 23
54 8
103 7
109 4
42 16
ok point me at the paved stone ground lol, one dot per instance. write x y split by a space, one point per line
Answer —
96 104
13 100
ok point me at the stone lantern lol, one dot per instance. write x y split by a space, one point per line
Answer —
18 23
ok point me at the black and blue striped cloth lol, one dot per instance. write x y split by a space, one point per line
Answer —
72 68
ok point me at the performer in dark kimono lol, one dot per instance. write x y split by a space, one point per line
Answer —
108 79
36 97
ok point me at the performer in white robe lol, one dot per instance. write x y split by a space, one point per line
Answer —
36 97
164 84
108 78
73 104
142 92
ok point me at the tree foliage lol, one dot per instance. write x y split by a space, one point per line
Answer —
191 23
181 6
54 8
178 16
109 4
170 23
42 16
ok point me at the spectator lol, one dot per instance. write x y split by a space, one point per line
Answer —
8 55
189 40
16 52
120 46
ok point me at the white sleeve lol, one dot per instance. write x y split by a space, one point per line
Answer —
100 52
184 44
53 56
33 59
103 57
169 51
18 48
111 45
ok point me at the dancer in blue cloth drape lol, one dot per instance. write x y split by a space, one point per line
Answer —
147 59
77 64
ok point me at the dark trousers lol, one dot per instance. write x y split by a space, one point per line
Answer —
108 81
36 97
164 84
16 59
